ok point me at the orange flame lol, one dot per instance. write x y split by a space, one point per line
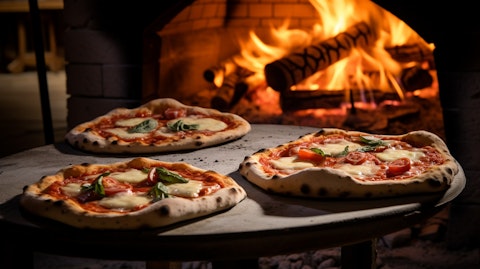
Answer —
364 68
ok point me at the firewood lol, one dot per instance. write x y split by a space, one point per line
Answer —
232 89
217 73
410 53
295 67
415 78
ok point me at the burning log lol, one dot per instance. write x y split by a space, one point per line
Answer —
217 73
232 90
295 67
411 53
415 78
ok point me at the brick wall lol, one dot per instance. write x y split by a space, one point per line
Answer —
103 51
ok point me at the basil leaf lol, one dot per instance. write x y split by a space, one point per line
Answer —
170 177
158 192
97 185
340 154
145 126
318 151
372 144
180 126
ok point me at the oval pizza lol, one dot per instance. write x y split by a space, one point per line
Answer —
161 125
140 193
335 163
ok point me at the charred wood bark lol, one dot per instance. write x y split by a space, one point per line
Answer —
415 78
295 67
217 73
411 53
232 90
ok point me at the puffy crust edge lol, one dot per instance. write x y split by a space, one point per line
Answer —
159 214
331 183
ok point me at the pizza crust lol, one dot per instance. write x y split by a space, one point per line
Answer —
325 182
159 214
83 138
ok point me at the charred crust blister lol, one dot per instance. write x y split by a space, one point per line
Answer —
434 182
199 143
344 194
368 194
322 192
164 210
319 132
305 189
219 200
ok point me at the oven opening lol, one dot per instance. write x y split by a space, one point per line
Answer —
346 64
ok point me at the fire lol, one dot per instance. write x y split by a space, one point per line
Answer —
370 62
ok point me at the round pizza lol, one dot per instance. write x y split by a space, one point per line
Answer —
335 163
139 193
161 125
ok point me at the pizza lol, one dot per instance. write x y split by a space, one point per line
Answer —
335 163
161 125
134 194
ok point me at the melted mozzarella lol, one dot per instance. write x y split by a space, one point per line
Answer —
124 134
286 163
366 169
337 148
130 176
190 189
130 122
124 200
164 131
204 123
72 189
392 154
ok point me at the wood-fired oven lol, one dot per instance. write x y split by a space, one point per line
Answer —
271 62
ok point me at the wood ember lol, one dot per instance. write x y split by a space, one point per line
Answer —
297 66
304 99
379 118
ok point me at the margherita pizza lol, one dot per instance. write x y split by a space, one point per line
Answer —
140 193
335 163
161 125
